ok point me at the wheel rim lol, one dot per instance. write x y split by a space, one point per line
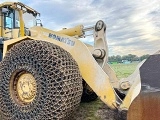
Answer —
23 87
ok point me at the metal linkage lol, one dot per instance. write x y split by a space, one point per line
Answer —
88 29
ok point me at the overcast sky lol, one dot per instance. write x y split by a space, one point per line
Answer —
133 26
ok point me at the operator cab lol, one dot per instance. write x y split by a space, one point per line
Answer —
12 22
15 21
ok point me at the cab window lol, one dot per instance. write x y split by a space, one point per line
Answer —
17 23
29 20
9 20
12 19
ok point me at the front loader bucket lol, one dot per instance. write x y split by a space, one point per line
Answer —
146 105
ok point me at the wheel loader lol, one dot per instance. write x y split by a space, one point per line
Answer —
44 74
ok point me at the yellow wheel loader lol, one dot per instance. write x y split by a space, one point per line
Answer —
44 74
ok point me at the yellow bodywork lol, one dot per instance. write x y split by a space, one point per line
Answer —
21 23
75 31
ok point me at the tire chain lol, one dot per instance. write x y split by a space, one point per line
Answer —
59 83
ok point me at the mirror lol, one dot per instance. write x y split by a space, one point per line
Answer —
39 23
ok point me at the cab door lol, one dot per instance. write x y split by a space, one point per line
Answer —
11 24
8 25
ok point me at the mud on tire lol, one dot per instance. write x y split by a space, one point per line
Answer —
58 82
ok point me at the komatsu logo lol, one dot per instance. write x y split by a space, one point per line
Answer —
61 39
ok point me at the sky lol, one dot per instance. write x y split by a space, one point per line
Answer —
133 26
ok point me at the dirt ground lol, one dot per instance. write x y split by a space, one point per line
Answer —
89 111
105 113
102 113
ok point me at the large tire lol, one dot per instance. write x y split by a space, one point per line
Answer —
88 94
58 83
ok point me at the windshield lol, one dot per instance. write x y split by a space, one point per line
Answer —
29 20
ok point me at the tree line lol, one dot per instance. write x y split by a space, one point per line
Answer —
128 57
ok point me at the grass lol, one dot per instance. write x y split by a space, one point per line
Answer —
121 70
89 109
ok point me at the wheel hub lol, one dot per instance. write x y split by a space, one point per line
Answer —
26 87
